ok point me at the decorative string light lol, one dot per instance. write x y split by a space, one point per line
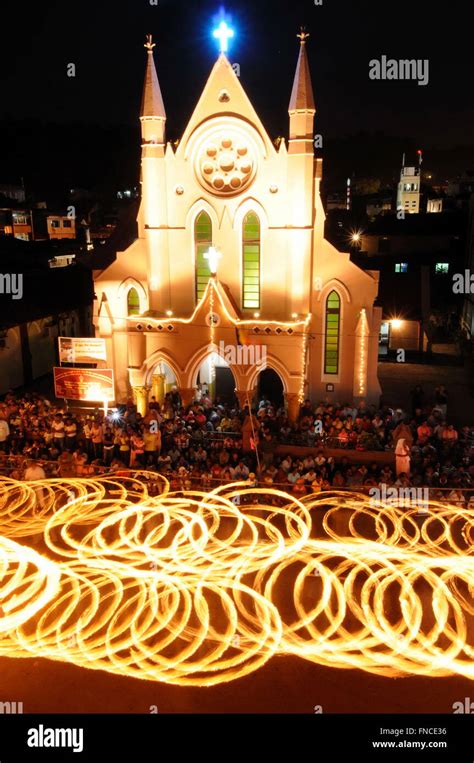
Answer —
210 293
304 348
211 285
212 334
363 353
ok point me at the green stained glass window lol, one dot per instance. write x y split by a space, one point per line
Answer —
332 336
203 241
133 303
251 261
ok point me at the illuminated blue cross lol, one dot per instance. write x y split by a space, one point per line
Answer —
223 34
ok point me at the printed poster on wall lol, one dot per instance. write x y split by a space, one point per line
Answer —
81 350
94 385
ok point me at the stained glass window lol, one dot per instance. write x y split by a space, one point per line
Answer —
203 241
251 261
333 330
133 302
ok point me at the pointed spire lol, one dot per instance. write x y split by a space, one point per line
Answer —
152 100
302 97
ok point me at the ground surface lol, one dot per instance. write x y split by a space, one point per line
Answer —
284 685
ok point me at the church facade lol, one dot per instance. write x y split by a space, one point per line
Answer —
231 280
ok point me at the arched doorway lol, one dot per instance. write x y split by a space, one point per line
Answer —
270 386
215 378
163 380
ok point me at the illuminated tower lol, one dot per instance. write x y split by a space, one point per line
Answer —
302 108
153 213
301 166
409 188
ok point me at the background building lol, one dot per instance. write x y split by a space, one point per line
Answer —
409 190
55 302
61 226
417 258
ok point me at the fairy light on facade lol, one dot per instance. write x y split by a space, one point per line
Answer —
298 323
363 353
304 351
212 332
297 327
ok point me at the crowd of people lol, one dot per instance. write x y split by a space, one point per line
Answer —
208 444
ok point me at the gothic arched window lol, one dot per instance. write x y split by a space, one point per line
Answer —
251 261
202 240
332 333
133 302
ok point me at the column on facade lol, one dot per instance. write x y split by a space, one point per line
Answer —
293 405
140 398
158 387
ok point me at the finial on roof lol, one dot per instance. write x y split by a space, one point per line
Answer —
303 35
302 98
152 100
149 45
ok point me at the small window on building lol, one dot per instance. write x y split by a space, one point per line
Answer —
251 261
67 224
203 242
442 267
333 325
401 267
55 223
133 303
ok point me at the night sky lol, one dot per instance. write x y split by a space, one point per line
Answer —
104 40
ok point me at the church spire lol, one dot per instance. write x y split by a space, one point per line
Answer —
152 100
302 107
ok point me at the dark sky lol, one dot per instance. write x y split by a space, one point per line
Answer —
104 39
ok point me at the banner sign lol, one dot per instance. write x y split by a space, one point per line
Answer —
84 384
81 350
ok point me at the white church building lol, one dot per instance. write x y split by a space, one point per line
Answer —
231 284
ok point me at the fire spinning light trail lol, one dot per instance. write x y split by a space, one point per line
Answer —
198 588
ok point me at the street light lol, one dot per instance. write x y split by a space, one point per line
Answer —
355 238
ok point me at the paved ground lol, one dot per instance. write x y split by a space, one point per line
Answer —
284 685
